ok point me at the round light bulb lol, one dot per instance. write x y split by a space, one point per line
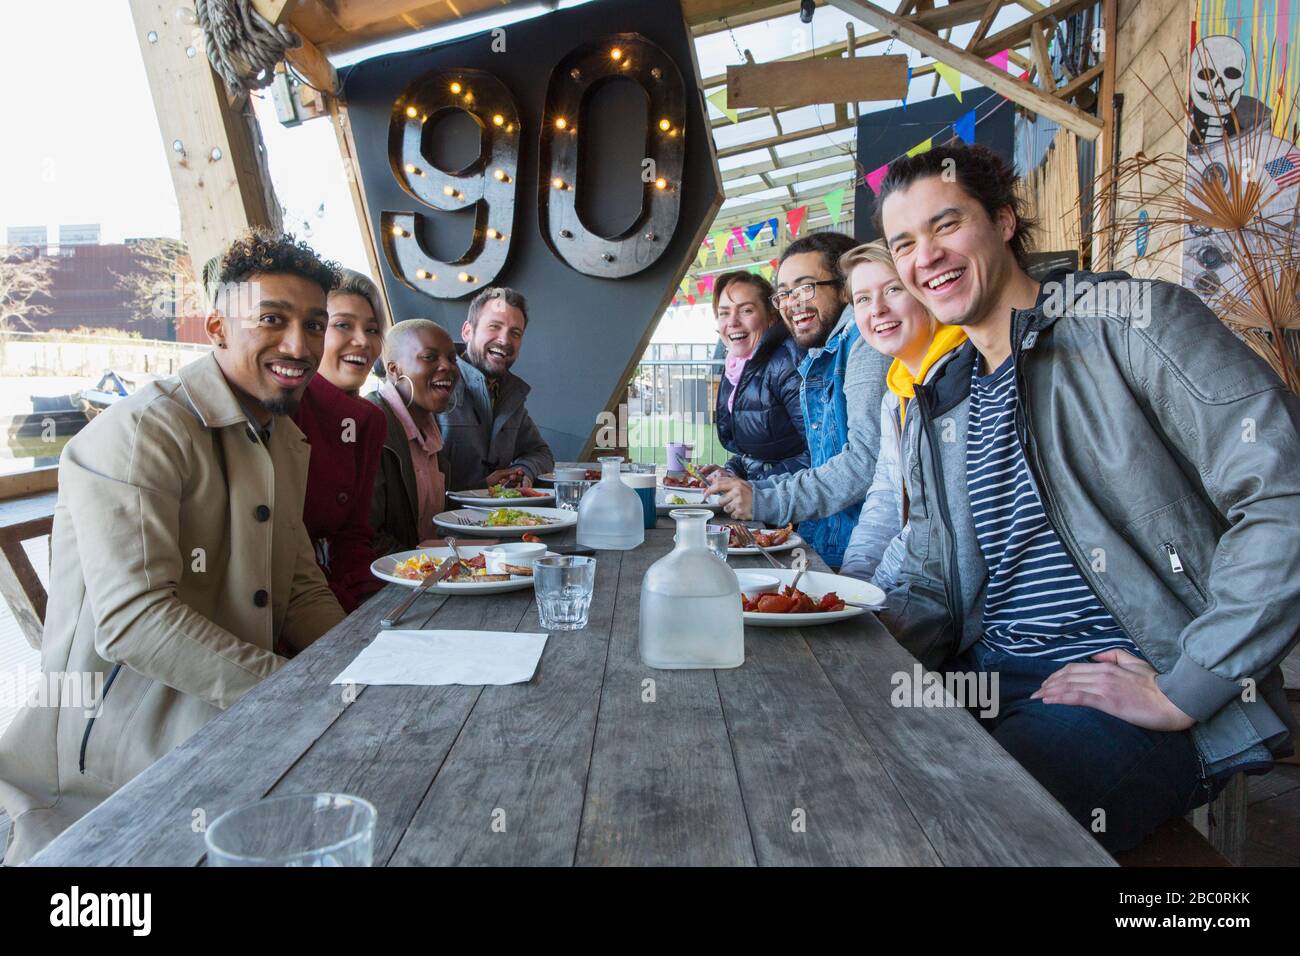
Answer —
498 119
665 125
412 112
456 87
465 277
448 191
557 182
561 123
616 53
661 183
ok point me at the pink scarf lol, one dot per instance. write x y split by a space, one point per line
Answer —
426 442
734 367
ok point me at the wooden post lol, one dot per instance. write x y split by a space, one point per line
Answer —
214 151
352 170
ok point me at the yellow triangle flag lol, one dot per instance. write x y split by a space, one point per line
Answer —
922 147
719 99
951 75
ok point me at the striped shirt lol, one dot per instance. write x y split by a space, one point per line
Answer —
1037 603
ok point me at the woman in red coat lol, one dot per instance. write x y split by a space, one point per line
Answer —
346 435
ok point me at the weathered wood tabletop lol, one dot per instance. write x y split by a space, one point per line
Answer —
796 757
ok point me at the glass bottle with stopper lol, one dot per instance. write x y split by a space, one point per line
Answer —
691 614
610 517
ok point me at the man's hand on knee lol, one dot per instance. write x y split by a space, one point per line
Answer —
1118 684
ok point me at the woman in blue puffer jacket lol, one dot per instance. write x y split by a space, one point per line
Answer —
758 413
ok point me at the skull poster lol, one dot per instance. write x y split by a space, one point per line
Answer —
1244 63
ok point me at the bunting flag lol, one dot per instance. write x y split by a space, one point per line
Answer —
721 244
752 230
754 269
964 127
738 236
1025 75
921 147
719 99
951 75
794 219
703 256
834 200
768 271
708 283
776 229
875 176
1000 59
772 263
690 299
701 288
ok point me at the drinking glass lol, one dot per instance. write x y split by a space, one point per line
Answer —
568 494
563 585
718 537
306 829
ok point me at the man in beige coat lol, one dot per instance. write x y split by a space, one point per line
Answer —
180 561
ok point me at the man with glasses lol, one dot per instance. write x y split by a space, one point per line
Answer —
843 383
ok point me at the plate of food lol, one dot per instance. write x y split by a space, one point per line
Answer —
819 598
409 568
770 539
506 522
666 499
518 497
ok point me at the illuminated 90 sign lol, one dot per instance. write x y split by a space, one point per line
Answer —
489 184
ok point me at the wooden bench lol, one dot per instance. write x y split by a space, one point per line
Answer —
22 519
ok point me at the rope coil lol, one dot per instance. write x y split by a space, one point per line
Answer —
242 45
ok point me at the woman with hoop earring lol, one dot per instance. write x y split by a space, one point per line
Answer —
420 379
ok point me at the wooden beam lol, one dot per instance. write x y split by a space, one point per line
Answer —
842 168
792 137
1018 33
1079 82
24 483
352 171
703 28
806 82
214 152
1042 60
1030 97
954 14
787 162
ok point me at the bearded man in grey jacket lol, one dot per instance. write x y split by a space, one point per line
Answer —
489 436
1104 486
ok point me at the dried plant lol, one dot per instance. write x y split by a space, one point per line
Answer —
1258 297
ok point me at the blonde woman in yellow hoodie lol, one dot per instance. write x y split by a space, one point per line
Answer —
894 323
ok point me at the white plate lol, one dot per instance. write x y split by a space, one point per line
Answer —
383 568
712 503
480 496
561 519
792 542
815 584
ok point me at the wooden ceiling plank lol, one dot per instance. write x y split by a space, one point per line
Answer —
807 82
1017 33
973 66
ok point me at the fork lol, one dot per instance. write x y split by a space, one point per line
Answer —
462 521
749 541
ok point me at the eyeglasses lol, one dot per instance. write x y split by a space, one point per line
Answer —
801 293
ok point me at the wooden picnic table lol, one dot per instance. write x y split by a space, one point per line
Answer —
796 757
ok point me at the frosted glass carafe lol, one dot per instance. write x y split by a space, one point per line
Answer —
690 603
610 517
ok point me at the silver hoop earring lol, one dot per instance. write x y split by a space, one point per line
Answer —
408 378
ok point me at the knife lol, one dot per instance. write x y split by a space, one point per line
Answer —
441 574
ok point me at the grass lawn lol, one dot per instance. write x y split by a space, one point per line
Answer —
647 438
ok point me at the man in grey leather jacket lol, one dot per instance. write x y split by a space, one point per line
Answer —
1152 452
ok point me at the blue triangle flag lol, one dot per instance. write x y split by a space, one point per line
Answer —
753 229
964 127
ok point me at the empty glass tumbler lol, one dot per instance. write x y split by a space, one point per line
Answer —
691 614
610 517
563 585
309 829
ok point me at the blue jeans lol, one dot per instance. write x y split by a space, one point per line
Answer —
1089 760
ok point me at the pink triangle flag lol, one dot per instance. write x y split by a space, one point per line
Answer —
738 237
875 177
1000 59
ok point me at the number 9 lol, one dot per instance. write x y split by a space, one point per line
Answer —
487 185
